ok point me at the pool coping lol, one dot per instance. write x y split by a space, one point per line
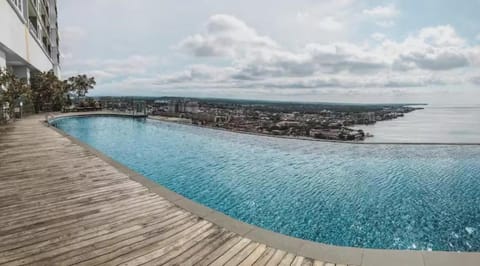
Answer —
306 248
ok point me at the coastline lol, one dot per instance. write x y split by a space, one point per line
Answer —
178 121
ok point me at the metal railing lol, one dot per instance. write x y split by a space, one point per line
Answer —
48 117
4 114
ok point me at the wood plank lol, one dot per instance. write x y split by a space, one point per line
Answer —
265 257
204 249
231 252
244 253
60 204
298 261
307 262
287 260
254 256
85 232
103 251
147 247
60 226
166 253
277 257
219 251
51 253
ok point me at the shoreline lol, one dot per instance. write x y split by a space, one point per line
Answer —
178 121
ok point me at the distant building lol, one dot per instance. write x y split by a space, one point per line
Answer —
180 106
287 124
173 107
192 107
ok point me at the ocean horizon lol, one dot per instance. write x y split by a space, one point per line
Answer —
435 123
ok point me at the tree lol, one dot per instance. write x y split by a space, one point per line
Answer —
80 84
13 90
48 92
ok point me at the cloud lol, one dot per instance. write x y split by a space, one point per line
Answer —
382 12
377 36
384 16
441 36
254 56
227 36
258 61
197 73
330 24
385 23
432 56
437 60
108 69
475 80
324 23
432 48
71 36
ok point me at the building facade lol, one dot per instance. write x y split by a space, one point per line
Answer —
29 39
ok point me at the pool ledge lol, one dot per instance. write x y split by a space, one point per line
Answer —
318 251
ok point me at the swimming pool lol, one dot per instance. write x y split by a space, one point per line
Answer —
372 196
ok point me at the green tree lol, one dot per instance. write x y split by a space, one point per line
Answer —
13 90
80 84
48 92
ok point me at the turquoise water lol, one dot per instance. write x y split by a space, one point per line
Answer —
374 196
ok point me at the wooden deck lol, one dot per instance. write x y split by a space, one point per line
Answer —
60 204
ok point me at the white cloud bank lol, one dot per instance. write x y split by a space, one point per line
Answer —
430 57
257 64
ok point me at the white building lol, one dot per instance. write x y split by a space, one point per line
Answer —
29 36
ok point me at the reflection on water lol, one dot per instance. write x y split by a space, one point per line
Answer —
433 124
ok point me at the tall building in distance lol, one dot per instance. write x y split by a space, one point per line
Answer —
29 36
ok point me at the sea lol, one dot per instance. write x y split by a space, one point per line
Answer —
434 124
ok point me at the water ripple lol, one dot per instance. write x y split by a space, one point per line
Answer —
381 196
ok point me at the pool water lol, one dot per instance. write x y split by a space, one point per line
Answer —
372 196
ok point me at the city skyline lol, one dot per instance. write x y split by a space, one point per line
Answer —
340 51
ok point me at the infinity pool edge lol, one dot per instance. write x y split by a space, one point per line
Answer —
315 250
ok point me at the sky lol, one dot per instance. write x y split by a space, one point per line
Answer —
301 50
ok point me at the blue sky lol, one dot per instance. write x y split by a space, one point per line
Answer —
344 50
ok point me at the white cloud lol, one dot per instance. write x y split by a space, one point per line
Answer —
227 36
109 69
329 24
433 56
385 23
197 73
258 61
71 36
432 48
323 23
476 80
377 36
441 36
384 16
382 12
